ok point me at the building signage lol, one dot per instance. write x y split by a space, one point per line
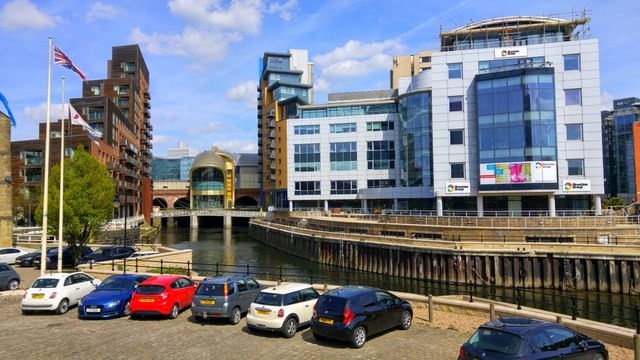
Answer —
458 188
572 185
526 172
510 52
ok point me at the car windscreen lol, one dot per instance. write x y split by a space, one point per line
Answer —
210 289
45 283
269 299
150 289
101 251
115 284
331 305
492 340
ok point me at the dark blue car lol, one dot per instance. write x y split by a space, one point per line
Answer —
110 299
523 338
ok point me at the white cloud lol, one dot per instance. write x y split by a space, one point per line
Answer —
38 113
284 10
238 146
241 15
205 129
160 139
22 14
100 10
204 45
244 92
606 101
321 85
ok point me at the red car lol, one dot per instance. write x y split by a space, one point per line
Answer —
162 295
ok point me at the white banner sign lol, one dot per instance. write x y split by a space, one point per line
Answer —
510 52
458 188
572 185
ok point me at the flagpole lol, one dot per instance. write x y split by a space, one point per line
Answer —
60 210
45 204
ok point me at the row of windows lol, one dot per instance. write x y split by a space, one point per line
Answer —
340 187
571 62
574 132
344 156
350 111
306 129
380 126
343 128
575 167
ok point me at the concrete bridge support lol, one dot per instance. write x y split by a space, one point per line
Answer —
194 221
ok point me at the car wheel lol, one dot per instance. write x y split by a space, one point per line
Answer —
127 309
405 320
598 357
174 312
62 307
290 328
26 312
235 317
13 284
359 337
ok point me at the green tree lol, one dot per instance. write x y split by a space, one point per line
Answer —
88 200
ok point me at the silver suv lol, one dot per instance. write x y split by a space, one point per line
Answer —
224 297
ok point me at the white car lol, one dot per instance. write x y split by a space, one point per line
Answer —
57 291
143 253
9 254
283 308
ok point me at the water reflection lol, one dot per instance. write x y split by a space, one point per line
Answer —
216 250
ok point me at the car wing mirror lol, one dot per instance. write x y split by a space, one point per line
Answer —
583 344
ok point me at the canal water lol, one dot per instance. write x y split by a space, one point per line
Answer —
218 251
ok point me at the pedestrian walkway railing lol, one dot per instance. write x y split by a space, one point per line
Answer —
597 307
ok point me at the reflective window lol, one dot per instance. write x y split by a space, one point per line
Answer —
306 129
455 103
340 187
574 131
571 62
575 167
343 156
381 155
380 125
342 128
307 188
455 71
572 97
457 171
307 157
382 183
456 137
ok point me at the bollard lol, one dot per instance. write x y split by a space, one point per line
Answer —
574 307
637 319
470 292
125 266
636 346
113 264
161 267
430 308
280 272
247 269
518 299
188 269
492 312
217 269
559 319
325 288
136 264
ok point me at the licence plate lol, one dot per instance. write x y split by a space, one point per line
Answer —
207 302
263 312
147 300
325 321
90 310
37 296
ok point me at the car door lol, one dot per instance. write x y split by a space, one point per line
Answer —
254 290
4 255
307 298
386 313
243 294
564 343
5 273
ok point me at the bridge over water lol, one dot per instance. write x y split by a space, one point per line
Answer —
194 214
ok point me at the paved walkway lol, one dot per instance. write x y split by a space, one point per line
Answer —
52 336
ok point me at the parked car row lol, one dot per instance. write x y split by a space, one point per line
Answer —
349 313
87 255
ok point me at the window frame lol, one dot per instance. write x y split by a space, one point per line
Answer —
454 170
454 73
455 132
574 127
567 59
574 167
569 94
453 101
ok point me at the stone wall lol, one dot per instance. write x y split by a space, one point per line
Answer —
6 200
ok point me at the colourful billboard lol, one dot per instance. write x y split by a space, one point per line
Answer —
523 172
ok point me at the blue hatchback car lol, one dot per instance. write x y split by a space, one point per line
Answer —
110 299
524 338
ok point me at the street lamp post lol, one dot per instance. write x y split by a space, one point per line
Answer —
126 210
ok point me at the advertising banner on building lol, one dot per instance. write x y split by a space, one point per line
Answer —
454 188
510 52
525 172
576 185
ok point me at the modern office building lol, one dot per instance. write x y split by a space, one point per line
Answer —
621 139
171 168
119 107
506 121
212 180
183 150
286 81
404 66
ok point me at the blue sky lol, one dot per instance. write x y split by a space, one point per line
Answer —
203 54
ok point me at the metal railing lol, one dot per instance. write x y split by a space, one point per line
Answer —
567 302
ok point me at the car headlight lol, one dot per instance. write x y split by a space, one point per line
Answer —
113 303
80 302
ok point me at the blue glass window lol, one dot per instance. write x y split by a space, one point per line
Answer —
574 131
306 157
455 71
307 188
575 167
306 129
455 103
381 155
456 137
341 187
342 128
343 156
571 62
457 171
572 97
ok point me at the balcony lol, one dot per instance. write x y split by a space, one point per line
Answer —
271 144
271 134
271 124
272 155
271 113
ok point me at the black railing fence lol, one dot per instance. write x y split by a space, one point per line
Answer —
592 306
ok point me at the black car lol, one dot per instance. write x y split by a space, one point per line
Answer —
67 257
108 253
9 278
26 260
352 313
518 338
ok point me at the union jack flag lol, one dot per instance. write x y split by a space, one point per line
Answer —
61 59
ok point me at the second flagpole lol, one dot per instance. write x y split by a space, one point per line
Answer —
60 210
